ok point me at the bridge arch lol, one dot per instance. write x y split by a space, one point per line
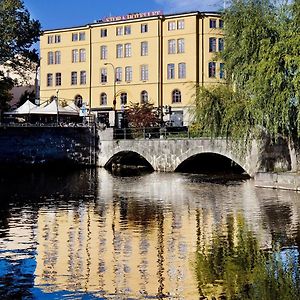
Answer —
210 163
218 152
128 159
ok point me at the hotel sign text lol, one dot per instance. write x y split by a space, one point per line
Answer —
133 16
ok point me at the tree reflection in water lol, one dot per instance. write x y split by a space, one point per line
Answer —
235 267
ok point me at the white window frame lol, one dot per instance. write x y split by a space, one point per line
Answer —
103 75
171 71
182 70
119 51
75 56
74 36
81 36
82 77
144 48
144 72
57 57
127 29
144 27
171 25
103 52
50 58
171 46
127 48
118 74
180 24
128 73
180 46
103 99
82 55
58 79
119 30
103 32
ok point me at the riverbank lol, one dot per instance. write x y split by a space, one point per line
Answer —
285 181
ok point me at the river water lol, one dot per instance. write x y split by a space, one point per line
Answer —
91 235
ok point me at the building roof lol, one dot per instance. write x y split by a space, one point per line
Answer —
157 16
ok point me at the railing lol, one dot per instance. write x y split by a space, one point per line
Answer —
61 124
153 133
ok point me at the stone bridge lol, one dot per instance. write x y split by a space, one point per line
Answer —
168 154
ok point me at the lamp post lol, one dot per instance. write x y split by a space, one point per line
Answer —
57 119
114 70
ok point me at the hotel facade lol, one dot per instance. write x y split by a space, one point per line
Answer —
142 57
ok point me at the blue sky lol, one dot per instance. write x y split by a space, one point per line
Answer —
66 13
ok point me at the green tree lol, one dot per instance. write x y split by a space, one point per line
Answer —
6 84
262 63
17 36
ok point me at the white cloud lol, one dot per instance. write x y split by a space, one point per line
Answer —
187 5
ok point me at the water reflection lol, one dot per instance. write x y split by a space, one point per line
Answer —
90 233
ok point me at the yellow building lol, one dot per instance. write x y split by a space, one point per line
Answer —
140 57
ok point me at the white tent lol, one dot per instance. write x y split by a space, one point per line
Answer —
24 109
52 109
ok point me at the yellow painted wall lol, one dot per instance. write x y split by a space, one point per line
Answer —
196 35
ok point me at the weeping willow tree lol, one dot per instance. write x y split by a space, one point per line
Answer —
262 63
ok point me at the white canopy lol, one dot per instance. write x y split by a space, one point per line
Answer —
51 109
24 109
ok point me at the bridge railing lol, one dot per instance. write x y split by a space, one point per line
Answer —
153 133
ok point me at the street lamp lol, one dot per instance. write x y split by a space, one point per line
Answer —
57 119
114 70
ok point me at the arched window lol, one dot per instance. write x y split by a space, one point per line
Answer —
103 99
123 98
144 97
176 96
78 100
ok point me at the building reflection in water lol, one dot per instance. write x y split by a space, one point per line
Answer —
139 236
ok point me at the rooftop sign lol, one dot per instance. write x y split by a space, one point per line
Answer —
133 16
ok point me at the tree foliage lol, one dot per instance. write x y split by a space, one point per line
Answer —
141 115
262 63
17 35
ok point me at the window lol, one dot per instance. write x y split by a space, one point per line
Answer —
212 44
103 32
123 98
118 74
78 100
103 75
103 52
127 50
171 71
49 79
222 71
57 38
144 28
181 70
144 72
180 45
176 96
57 78
50 39
144 97
212 23
171 25
82 56
128 73
57 57
82 77
81 36
144 48
211 69
127 29
73 78
74 37
119 30
119 51
171 46
75 56
180 24
103 99
50 58
221 44
221 23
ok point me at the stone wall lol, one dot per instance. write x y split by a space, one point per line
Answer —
38 146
